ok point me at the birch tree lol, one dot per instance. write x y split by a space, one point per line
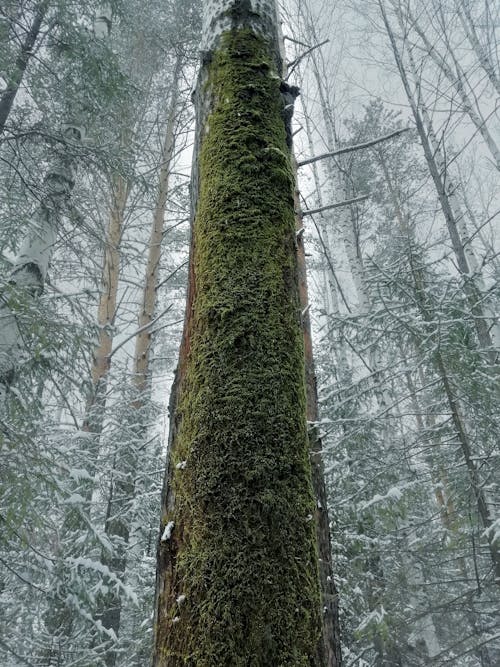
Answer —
28 35
32 262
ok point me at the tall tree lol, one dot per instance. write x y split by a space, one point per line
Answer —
29 34
237 572
32 262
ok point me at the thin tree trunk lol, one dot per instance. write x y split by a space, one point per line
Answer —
14 81
329 296
36 250
344 218
481 53
456 79
346 225
123 487
448 513
143 340
476 483
106 311
329 651
237 574
29 272
444 191
461 433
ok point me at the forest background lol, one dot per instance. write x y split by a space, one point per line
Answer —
96 131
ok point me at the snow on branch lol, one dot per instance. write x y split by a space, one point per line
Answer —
356 147
167 532
148 325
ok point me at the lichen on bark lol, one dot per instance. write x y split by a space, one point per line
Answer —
239 578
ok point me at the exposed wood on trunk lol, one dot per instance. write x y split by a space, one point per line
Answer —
222 534
106 311
330 648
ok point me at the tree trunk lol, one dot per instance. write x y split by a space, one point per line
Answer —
237 579
477 485
481 53
106 310
455 77
344 219
329 649
445 191
123 488
32 262
31 265
8 95
330 286
447 510
143 340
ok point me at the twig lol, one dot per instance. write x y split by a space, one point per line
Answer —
293 65
138 331
347 202
356 147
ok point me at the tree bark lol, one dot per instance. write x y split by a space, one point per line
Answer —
31 265
106 310
30 268
237 578
329 648
9 94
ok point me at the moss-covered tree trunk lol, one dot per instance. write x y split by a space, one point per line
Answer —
238 562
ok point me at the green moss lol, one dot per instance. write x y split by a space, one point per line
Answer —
243 550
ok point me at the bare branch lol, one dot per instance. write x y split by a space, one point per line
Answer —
346 202
356 147
138 331
292 66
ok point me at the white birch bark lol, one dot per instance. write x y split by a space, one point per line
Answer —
30 268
